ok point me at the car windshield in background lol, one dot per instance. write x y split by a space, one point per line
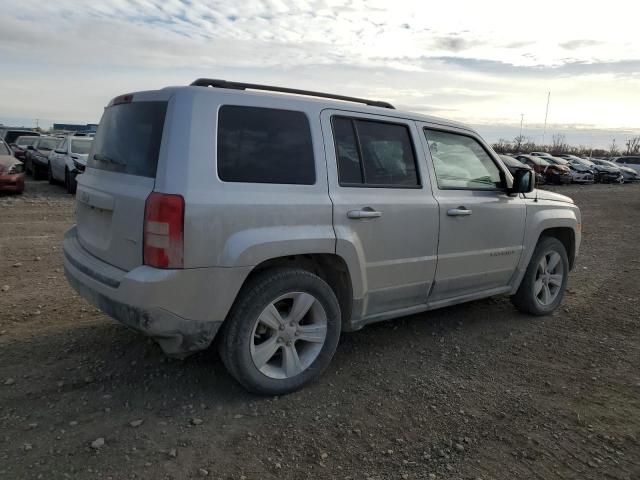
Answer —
48 143
128 138
81 147
4 150
512 162
26 141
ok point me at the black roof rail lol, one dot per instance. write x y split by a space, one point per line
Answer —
212 82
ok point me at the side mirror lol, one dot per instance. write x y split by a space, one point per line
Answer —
30 147
524 181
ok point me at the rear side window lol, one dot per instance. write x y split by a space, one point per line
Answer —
264 145
128 138
373 153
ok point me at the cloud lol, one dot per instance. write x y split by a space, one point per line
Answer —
454 43
64 60
576 44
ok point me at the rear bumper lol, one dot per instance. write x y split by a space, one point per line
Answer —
12 183
181 309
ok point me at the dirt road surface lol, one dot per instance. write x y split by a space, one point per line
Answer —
476 391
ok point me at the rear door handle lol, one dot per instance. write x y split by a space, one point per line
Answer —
458 212
366 212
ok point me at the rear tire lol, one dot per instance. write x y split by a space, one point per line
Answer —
544 283
282 331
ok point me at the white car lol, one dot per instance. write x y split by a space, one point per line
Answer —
69 160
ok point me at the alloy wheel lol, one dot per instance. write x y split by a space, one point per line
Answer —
288 335
549 277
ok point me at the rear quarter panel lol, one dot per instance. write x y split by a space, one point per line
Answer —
230 224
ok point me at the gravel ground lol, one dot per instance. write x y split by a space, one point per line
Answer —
476 391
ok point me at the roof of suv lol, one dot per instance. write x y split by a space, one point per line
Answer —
301 97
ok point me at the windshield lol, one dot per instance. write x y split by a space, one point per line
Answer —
4 150
48 143
607 163
511 162
81 147
26 141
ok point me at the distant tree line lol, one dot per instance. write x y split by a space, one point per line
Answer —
522 144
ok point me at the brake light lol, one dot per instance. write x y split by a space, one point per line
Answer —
164 231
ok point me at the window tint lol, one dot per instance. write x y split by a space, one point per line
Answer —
81 147
349 166
128 138
264 145
374 153
460 162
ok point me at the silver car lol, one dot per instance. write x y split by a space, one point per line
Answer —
68 160
272 222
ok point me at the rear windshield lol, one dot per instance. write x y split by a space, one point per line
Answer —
48 143
81 147
128 138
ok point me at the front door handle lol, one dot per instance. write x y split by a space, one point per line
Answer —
366 212
458 212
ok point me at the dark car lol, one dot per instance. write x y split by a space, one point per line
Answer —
37 161
514 164
604 173
624 173
552 173
11 171
9 135
21 145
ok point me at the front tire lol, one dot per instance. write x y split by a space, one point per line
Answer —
50 174
544 283
282 332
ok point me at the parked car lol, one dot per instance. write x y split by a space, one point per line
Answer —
628 174
579 173
557 174
513 164
9 135
68 160
629 162
11 171
37 161
21 145
280 220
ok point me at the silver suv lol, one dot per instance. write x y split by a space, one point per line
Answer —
273 222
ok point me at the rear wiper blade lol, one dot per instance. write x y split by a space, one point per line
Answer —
103 158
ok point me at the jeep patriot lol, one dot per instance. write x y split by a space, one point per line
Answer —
271 220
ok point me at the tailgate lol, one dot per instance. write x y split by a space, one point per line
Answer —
120 175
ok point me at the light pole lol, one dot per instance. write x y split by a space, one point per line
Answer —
546 113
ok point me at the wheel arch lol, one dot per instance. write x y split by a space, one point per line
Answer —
329 267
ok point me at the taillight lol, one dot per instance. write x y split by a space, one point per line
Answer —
164 231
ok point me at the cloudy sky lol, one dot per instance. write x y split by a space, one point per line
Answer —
483 63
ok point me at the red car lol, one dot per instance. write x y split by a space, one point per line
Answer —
552 173
11 171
